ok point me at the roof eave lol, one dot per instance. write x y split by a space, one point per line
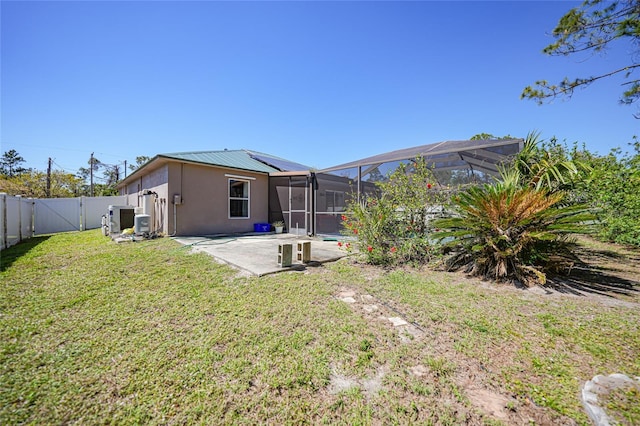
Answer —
166 158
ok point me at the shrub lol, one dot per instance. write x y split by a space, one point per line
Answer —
394 225
506 231
612 185
609 184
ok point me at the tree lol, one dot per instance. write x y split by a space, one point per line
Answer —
110 177
375 175
85 172
111 174
592 27
32 183
488 136
546 164
10 163
141 160
611 184
517 228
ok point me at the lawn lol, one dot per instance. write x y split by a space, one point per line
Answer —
94 332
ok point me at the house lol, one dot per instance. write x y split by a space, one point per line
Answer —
229 191
206 192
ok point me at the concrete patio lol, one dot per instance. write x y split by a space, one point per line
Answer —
257 254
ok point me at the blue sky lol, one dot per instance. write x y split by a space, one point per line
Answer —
320 83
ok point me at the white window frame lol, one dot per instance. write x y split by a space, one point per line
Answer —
229 198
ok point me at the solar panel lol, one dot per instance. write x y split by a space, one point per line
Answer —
279 163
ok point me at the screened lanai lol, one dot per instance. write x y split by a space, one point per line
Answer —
314 202
453 162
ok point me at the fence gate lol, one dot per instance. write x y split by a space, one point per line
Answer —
56 215
21 218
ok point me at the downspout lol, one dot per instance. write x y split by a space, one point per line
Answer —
175 206
175 219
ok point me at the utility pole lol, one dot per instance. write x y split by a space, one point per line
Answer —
125 169
91 170
48 192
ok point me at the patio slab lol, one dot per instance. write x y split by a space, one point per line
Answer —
258 253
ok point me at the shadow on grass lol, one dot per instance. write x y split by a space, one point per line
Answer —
607 269
610 257
585 279
13 253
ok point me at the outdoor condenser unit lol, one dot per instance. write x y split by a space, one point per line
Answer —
120 218
142 224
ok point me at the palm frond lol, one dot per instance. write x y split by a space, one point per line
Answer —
504 231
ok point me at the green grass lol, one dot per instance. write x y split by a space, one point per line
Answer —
624 402
94 332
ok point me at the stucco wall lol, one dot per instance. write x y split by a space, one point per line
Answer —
156 181
205 201
204 196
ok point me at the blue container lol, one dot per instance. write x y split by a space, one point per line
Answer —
261 227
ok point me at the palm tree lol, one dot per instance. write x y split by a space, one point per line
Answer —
514 229
544 168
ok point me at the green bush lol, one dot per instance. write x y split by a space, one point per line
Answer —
509 231
517 228
393 226
612 185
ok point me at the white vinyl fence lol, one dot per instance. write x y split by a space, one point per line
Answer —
21 218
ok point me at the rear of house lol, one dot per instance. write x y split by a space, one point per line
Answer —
201 193
229 191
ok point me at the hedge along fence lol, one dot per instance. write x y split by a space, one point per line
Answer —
22 218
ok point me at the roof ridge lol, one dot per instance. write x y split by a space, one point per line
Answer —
202 151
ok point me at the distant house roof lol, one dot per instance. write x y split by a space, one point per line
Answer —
485 155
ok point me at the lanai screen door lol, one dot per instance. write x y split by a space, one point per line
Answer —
298 205
289 201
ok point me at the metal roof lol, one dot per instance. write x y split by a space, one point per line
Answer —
240 159
236 159
484 155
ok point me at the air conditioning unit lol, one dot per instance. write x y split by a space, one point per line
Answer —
120 218
142 224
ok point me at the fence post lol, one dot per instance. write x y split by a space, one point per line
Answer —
32 217
3 202
19 197
83 214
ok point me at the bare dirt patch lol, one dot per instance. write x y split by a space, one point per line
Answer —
341 382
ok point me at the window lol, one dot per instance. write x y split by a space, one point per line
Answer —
238 198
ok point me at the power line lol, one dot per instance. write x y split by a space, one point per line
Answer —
65 169
49 147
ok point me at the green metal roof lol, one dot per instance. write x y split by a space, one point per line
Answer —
236 159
